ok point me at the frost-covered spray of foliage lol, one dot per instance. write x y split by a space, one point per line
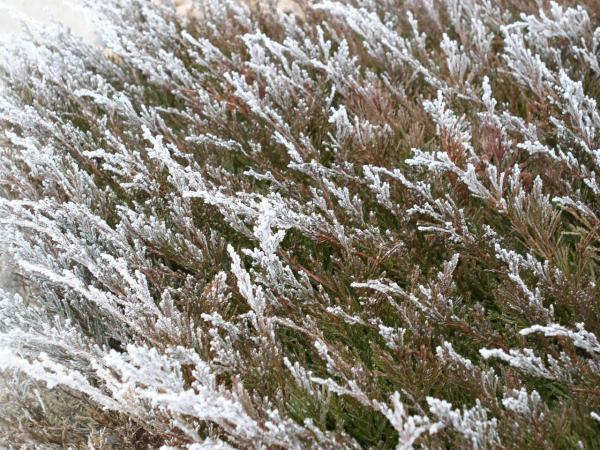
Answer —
362 224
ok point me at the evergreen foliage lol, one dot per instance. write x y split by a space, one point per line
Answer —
362 224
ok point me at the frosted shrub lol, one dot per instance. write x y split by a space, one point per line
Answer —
354 224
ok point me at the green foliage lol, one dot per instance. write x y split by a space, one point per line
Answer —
360 224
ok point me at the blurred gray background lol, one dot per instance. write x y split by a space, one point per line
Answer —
41 10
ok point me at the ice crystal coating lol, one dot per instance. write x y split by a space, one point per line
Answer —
336 224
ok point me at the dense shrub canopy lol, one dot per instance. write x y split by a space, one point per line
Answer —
367 223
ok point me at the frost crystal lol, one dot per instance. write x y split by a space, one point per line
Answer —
302 224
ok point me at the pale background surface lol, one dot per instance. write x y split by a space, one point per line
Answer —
41 10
